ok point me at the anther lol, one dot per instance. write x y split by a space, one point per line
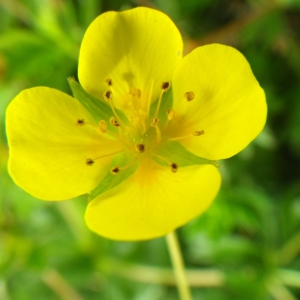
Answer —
108 82
102 126
154 121
115 170
189 96
80 122
114 122
135 92
195 133
140 148
89 162
198 132
107 95
166 86
174 167
170 113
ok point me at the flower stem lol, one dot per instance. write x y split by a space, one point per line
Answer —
178 266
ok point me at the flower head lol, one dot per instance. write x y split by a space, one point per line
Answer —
144 131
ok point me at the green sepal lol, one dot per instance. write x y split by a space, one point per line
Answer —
112 180
97 108
175 152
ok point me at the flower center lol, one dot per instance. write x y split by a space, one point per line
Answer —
139 132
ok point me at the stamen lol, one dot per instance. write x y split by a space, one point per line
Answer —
165 86
140 148
135 92
80 122
135 95
114 122
158 133
195 133
173 165
102 126
108 95
154 121
170 114
198 132
108 82
189 96
116 170
91 161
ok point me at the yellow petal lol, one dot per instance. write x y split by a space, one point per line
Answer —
48 150
136 49
228 104
153 201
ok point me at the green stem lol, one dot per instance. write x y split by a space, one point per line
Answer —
178 266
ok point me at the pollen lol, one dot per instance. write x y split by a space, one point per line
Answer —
115 170
166 86
89 162
140 148
174 167
80 122
189 96
107 95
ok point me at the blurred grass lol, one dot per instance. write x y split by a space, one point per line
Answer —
246 246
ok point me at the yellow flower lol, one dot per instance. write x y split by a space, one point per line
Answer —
144 132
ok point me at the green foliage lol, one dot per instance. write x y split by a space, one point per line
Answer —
251 233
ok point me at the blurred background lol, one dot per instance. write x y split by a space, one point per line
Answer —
246 246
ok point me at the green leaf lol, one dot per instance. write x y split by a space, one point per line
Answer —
175 152
112 180
97 108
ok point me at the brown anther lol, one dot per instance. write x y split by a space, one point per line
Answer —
154 121
107 95
170 113
166 86
198 132
108 82
114 122
140 148
115 170
89 162
102 126
80 122
174 167
189 96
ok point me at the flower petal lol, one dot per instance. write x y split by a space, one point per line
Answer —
153 201
136 48
228 105
48 150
